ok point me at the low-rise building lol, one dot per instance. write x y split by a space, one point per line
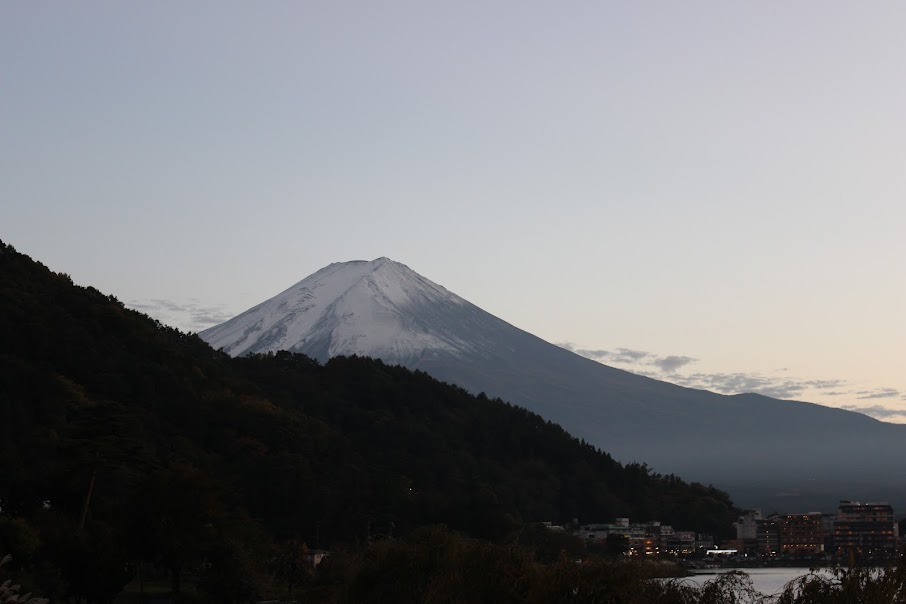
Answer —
648 539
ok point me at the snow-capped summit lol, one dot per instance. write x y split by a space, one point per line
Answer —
378 308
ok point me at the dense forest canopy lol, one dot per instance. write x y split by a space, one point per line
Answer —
184 454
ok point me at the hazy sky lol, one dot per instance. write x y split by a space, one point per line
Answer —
712 193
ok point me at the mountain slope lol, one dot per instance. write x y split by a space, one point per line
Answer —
195 457
786 454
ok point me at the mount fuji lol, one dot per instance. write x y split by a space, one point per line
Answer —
794 456
380 309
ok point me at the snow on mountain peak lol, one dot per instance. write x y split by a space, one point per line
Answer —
358 307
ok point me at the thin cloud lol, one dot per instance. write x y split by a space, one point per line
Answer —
209 317
190 315
596 355
638 359
781 386
825 384
670 367
737 383
156 305
626 355
877 411
878 393
670 364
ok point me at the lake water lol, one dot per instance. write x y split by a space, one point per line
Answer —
767 581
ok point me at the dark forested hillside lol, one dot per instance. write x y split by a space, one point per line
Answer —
185 455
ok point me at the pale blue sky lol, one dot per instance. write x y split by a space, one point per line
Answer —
714 181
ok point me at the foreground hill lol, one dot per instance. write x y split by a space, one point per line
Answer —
785 455
187 455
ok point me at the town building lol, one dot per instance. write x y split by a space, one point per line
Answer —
747 527
865 530
801 534
768 536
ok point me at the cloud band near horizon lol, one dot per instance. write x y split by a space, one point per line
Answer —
670 368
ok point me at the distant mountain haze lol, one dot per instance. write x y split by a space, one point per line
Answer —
784 455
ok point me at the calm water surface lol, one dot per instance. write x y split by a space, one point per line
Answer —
767 581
